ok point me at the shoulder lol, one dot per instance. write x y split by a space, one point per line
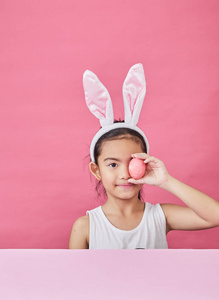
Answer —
79 238
167 210
166 207
81 224
170 209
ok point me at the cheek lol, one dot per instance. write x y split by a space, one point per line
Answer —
108 176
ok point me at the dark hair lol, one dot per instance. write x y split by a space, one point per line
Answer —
116 134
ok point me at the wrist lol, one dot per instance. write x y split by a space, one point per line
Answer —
166 185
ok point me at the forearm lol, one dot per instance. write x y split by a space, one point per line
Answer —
204 206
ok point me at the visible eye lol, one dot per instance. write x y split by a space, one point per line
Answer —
113 165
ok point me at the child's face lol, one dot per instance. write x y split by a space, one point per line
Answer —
112 169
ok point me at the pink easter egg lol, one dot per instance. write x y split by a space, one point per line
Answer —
137 168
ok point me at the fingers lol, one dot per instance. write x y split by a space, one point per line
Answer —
139 181
151 159
147 158
140 155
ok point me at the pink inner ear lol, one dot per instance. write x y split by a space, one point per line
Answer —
133 89
97 98
97 101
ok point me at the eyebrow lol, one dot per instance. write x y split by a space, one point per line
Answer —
111 158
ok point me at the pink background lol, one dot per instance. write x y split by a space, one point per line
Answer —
46 128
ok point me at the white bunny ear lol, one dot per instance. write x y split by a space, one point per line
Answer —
134 90
97 98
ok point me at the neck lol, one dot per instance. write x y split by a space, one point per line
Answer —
123 206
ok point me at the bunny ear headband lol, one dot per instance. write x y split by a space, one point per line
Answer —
99 102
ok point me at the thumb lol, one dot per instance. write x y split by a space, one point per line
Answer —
139 181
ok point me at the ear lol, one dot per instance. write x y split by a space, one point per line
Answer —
97 98
134 90
95 170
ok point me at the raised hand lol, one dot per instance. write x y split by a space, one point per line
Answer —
156 172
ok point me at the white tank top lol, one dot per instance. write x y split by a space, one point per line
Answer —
149 234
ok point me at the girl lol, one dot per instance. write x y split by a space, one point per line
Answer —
124 221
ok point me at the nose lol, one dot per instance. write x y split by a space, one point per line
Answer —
124 172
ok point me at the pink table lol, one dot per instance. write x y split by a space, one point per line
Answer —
109 274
